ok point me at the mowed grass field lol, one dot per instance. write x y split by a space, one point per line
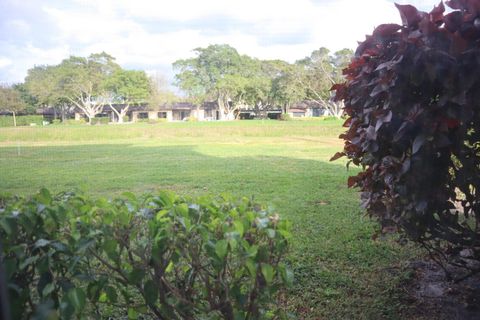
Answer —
341 273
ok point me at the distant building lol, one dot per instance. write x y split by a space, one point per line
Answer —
208 111
307 109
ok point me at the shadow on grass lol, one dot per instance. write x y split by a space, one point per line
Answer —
340 271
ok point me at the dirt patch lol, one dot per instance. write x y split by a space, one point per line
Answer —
434 297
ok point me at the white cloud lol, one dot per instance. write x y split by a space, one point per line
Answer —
4 62
152 34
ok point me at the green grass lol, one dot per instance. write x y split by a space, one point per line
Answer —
340 272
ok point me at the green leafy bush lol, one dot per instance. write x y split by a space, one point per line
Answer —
73 121
285 117
7 121
100 120
160 256
412 98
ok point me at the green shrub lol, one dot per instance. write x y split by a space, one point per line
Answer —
7 121
73 121
56 121
160 256
100 120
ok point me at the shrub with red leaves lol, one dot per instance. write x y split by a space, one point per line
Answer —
412 97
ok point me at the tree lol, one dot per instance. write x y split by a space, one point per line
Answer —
11 101
287 87
320 72
30 101
42 82
82 81
412 99
160 94
216 73
126 87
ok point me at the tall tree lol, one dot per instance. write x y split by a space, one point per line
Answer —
42 82
321 71
82 81
160 93
124 88
215 73
11 101
288 87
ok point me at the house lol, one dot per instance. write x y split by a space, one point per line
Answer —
178 111
208 111
307 108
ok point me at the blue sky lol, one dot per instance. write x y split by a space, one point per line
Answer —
150 35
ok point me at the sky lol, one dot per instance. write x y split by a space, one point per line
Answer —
151 35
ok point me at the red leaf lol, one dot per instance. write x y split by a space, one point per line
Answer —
347 122
384 30
352 181
453 21
337 155
436 15
409 14
456 4
452 123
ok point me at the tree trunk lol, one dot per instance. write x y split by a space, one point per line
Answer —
14 119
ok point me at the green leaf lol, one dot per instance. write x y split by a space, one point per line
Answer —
252 267
136 276
9 225
111 294
28 261
268 273
287 275
169 267
77 298
221 248
41 243
239 227
151 292
252 251
48 289
130 196
167 199
132 314
110 248
44 197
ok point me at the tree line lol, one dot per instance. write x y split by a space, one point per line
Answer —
216 73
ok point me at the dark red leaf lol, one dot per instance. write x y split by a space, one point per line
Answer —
352 181
337 155
436 15
453 21
384 30
409 14
347 122
456 4
428 27
452 123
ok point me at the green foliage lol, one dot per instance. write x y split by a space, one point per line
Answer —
11 99
100 120
160 255
7 121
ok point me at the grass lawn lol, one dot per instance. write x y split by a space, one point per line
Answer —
340 272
